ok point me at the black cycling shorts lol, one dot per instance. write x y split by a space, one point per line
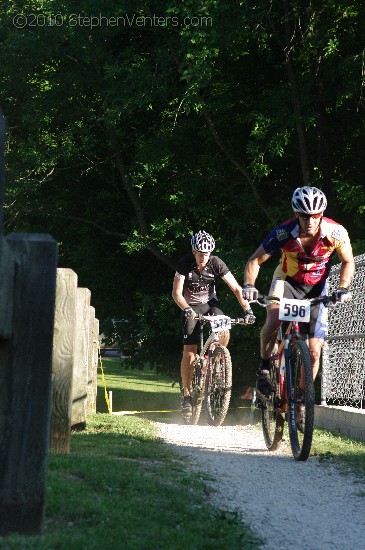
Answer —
191 327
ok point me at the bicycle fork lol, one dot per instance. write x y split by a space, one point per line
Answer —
289 381
204 359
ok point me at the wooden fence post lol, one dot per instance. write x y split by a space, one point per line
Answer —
26 378
62 360
92 368
80 358
96 346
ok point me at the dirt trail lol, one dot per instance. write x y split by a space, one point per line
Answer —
263 486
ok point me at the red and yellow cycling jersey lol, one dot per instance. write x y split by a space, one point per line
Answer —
303 267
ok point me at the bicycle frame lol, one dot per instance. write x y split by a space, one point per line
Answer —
292 333
283 366
213 337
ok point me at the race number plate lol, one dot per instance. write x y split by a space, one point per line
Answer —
220 322
294 310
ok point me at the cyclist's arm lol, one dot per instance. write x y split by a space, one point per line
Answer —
253 265
347 266
230 280
177 291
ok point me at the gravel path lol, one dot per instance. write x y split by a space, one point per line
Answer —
262 486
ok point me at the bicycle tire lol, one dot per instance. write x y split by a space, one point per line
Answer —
272 420
197 393
218 385
300 434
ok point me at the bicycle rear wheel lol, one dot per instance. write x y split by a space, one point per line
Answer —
272 420
197 393
300 400
218 385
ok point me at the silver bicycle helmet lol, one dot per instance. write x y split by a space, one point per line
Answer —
203 242
309 200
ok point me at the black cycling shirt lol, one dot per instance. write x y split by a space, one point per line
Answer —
199 288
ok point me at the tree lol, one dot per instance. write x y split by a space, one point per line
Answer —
131 125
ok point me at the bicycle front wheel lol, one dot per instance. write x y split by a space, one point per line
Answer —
272 419
300 400
218 385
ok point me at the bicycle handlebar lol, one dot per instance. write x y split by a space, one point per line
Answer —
264 300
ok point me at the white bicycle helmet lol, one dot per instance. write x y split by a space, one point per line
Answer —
203 242
309 200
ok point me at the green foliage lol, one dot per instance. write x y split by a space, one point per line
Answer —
352 198
126 135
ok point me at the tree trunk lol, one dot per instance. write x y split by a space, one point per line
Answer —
297 108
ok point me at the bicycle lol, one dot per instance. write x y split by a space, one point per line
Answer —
291 379
212 371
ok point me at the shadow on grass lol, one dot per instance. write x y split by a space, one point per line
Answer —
125 399
136 390
144 393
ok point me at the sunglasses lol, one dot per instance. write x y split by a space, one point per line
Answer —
307 216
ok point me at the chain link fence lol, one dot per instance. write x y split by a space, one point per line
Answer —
343 363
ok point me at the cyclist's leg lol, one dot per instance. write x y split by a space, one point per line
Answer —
190 329
190 335
269 331
268 335
281 286
315 348
318 327
186 367
268 338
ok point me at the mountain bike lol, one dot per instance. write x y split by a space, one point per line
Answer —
291 379
212 371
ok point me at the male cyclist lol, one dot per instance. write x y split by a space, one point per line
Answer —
307 243
194 293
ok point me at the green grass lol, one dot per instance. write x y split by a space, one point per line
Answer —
345 452
154 396
135 390
123 488
332 448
